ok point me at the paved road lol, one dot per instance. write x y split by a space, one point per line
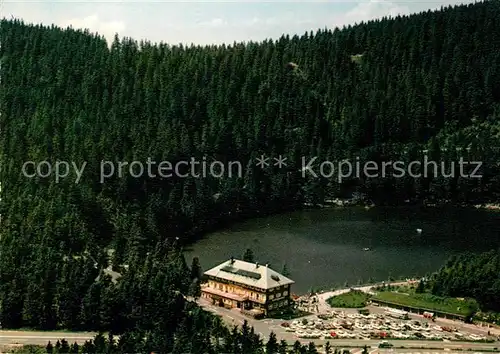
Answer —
412 351
265 327
405 351
42 338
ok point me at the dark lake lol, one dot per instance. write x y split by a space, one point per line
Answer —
325 248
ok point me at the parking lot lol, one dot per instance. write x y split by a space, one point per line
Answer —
387 325
423 346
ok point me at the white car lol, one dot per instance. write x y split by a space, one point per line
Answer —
475 337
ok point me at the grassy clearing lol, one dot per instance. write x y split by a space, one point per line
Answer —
351 299
430 302
357 58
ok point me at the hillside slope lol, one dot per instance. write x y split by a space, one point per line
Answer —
386 90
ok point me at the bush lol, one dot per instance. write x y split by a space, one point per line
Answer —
351 299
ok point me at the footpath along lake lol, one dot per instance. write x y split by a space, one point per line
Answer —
325 248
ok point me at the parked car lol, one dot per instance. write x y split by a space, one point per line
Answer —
385 344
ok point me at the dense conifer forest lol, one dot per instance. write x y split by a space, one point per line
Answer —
392 89
471 275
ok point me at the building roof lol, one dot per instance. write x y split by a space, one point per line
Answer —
251 274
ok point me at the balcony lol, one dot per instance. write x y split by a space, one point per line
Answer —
224 294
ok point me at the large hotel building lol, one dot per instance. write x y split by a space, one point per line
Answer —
254 288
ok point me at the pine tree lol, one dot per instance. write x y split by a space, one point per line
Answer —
424 82
195 289
49 348
285 271
297 347
64 346
283 347
248 256
420 287
328 348
272 344
311 348
75 348
196 272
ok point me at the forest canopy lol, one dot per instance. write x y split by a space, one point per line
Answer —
391 89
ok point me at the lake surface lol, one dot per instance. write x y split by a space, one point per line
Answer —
324 248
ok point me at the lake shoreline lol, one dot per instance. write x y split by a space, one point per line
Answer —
324 248
345 203
338 203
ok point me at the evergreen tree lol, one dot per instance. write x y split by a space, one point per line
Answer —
297 348
64 346
311 348
283 347
75 348
88 347
196 272
248 256
328 348
384 90
195 289
272 346
285 271
420 287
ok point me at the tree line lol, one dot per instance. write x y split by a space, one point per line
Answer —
470 275
237 342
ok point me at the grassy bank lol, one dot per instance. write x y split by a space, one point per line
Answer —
431 302
351 299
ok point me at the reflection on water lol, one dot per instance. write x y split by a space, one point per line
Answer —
326 247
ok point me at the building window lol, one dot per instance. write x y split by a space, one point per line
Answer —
256 296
